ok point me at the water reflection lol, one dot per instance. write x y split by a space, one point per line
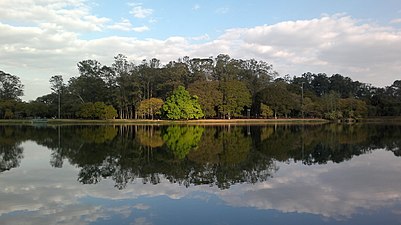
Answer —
192 155
312 174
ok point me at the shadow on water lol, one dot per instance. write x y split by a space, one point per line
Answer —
191 155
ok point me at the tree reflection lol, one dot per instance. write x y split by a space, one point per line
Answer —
194 155
11 152
182 139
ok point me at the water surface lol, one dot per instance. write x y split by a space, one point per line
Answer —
283 174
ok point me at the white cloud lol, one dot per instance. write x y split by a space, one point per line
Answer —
138 11
140 29
70 15
50 41
126 25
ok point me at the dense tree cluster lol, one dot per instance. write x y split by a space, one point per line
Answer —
224 88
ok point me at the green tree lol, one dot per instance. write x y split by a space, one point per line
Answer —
97 110
278 98
87 111
181 105
265 110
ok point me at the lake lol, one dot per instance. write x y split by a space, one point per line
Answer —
271 174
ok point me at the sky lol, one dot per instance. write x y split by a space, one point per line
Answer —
360 39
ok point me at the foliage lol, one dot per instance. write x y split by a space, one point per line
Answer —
265 111
181 140
210 97
148 108
97 110
236 97
181 105
10 87
279 98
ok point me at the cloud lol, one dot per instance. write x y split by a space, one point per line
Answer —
336 191
50 39
331 44
70 15
126 25
140 29
138 11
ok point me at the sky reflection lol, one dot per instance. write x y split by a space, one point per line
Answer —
362 190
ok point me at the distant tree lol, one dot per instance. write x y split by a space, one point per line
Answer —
181 105
278 98
150 107
210 97
353 108
97 110
236 97
10 87
87 111
265 111
57 86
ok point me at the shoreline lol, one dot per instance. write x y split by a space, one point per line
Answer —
170 122
189 122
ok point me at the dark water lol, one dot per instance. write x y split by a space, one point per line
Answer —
284 174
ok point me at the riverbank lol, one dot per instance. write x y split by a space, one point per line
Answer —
170 122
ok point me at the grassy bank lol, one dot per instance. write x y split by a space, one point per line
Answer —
170 122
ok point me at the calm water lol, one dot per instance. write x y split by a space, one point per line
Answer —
331 174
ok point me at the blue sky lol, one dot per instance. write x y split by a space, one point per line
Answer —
356 38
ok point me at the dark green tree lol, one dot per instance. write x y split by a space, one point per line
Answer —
210 96
236 97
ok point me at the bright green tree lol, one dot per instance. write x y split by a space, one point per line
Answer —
181 105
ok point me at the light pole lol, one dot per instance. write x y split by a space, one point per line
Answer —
302 99
59 104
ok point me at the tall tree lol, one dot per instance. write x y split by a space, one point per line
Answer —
57 86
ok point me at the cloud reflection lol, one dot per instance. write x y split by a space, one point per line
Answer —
35 193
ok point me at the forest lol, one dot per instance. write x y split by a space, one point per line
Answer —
193 88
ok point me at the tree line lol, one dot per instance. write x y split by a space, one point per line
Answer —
192 88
